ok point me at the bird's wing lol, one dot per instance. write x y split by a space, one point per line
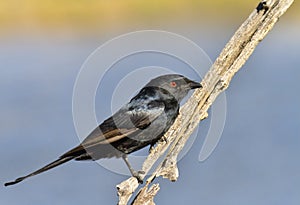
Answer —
131 119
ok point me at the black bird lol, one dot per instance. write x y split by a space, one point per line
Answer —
141 122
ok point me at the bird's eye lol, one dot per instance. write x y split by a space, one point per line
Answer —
173 84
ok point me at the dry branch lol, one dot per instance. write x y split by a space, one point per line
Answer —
231 59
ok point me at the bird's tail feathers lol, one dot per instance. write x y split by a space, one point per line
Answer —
43 169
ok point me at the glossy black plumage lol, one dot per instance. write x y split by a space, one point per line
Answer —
139 123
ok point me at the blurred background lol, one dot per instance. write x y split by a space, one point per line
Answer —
44 44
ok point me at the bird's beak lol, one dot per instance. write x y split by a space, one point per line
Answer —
194 85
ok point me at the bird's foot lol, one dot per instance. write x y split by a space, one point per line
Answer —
162 139
151 148
138 175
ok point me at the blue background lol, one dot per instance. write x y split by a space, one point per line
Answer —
256 161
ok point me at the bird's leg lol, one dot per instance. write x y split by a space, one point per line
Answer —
132 171
151 147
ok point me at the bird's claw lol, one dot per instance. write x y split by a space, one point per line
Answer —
138 176
162 139
151 148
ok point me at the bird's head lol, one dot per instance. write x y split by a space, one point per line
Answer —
176 85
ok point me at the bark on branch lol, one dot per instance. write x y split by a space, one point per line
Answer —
231 59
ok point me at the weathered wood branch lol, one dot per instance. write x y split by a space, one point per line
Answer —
231 59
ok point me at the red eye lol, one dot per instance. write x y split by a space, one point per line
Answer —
173 84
